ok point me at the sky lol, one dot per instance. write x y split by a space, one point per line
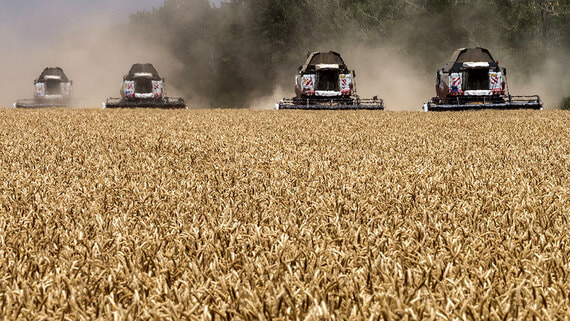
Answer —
46 21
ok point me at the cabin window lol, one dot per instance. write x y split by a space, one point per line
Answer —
328 80
143 85
476 79
53 87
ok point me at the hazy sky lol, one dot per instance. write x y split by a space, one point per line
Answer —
30 8
42 21
45 21
76 35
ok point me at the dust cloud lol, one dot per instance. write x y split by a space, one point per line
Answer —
97 51
94 54
16 58
391 75
388 74
550 81
405 84
269 102
98 61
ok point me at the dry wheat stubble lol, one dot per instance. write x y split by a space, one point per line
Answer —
284 215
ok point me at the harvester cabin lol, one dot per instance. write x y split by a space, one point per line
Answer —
143 75
327 67
474 65
53 78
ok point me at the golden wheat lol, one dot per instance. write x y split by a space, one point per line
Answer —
246 215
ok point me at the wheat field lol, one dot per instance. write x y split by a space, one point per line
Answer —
284 215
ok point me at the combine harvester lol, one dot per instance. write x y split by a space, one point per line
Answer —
143 88
53 89
325 82
473 80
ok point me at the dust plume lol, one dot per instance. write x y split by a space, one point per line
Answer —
269 101
17 62
245 53
98 61
397 60
390 74
405 83
94 54
550 81
383 72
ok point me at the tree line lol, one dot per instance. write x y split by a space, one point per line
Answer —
232 50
